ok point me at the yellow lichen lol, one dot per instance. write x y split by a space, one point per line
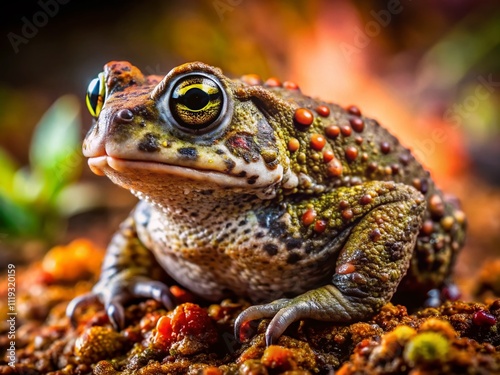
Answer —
439 326
401 334
97 343
426 347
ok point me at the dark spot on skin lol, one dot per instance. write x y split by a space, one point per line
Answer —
149 143
242 222
404 159
242 174
293 258
359 257
310 248
293 243
252 179
228 225
259 234
142 111
269 218
424 185
189 153
207 192
230 164
271 249
395 250
220 151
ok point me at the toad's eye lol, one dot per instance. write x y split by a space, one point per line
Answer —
96 95
197 103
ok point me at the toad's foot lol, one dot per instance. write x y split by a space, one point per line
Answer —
128 272
326 304
116 292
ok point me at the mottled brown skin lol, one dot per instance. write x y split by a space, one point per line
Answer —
308 208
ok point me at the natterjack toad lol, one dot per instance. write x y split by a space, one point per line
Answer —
253 189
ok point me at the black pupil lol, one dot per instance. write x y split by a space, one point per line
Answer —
94 95
195 99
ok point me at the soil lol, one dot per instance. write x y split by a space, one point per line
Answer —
197 338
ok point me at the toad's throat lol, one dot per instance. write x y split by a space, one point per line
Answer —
100 164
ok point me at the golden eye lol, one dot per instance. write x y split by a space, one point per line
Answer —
95 95
196 102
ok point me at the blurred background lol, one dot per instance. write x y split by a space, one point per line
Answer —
427 70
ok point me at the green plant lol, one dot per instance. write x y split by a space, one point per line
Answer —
34 199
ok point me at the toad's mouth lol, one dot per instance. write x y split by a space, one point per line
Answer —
100 164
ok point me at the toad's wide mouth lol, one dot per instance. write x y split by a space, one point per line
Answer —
100 164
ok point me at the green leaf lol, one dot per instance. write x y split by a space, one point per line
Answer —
7 172
17 220
77 198
56 146
27 186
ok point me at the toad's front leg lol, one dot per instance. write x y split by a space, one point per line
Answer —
385 219
128 272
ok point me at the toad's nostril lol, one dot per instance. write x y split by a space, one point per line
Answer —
125 115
